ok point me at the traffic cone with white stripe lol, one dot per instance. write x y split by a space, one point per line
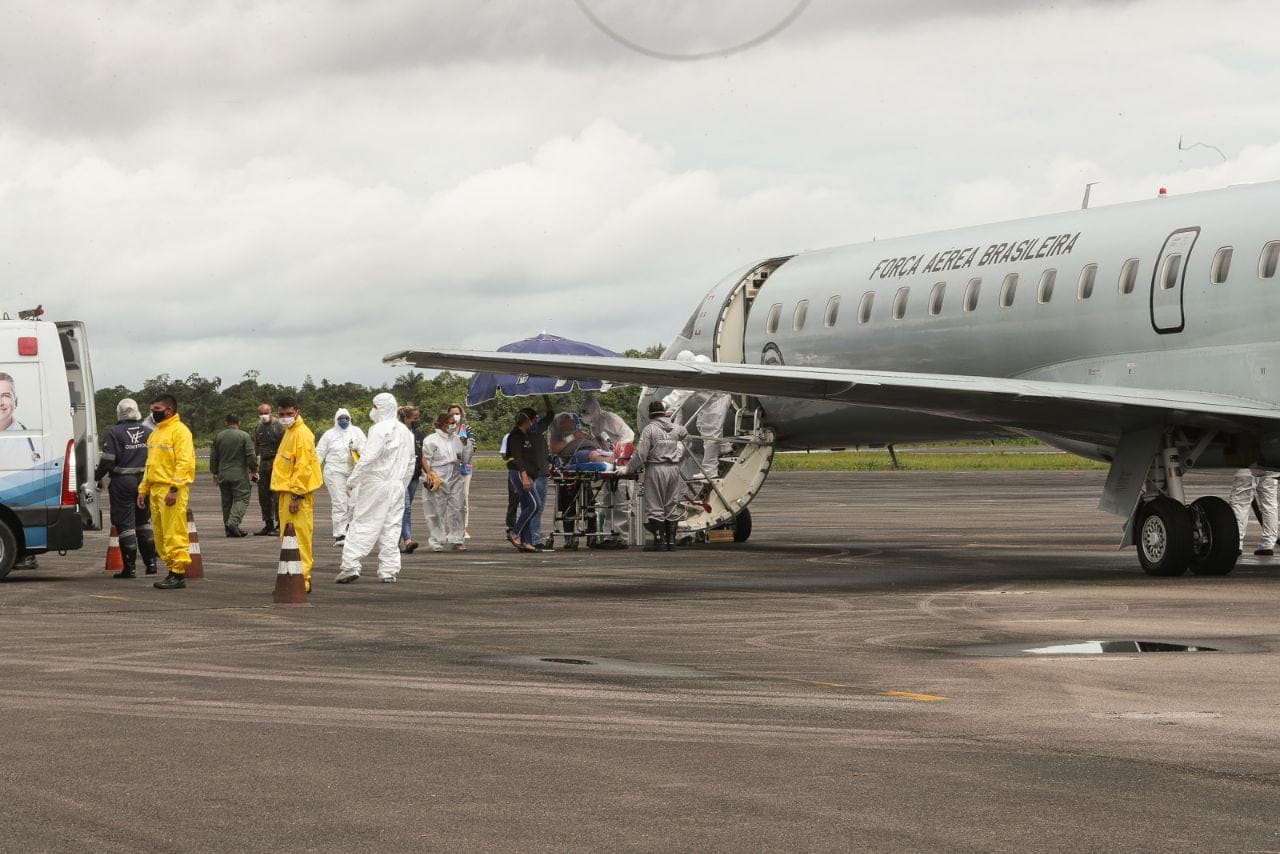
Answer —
290 587
195 570
115 560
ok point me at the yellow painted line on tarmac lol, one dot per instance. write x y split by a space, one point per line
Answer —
907 695
112 598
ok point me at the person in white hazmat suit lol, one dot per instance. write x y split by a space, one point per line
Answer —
442 454
1261 483
377 485
658 454
615 497
337 450
707 410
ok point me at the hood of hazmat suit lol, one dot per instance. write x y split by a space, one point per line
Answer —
337 445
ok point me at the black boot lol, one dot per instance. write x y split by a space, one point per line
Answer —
130 558
655 528
147 546
172 581
670 530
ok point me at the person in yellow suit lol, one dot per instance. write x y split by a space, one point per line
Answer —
296 475
166 483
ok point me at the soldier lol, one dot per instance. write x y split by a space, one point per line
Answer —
124 456
266 443
233 466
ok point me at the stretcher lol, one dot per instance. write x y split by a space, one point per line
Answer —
582 514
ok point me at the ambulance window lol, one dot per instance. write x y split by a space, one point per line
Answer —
1270 257
971 292
1129 276
1170 271
1221 265
864 307
1008 289
833 311
1088 275
802 311
1047 279
775 316
900 303
935 298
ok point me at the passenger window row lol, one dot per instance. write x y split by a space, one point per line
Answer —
1169 274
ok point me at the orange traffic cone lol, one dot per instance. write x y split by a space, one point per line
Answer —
290 587
195 570
115 560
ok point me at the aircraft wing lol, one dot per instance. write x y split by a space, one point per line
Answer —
1077 411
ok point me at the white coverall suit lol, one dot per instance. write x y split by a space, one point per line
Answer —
334 450
378 484
1262 482
442 453
615 497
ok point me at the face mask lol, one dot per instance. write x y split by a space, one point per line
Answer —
457 418
265 419
159 415
344 423
413 425
453 428
287 420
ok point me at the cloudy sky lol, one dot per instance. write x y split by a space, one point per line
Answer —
300 186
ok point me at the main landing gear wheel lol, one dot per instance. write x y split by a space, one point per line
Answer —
742 526
1163 533
1215 539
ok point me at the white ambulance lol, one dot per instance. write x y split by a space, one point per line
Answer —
48 438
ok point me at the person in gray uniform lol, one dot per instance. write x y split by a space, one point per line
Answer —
658 453
124 456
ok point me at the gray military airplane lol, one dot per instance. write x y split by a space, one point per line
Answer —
1130 334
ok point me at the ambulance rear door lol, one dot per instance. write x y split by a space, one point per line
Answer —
75 355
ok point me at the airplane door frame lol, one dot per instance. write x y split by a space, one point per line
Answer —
1167 314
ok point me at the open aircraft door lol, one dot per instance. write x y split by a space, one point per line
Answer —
1167 281
747 443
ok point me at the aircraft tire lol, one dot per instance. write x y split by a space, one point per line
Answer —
742 526
8 550
1215 537
1163 534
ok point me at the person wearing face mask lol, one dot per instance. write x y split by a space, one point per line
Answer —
296 476
165 487
124 457
338 449
266 443
411 418
378 484
442 457
468 440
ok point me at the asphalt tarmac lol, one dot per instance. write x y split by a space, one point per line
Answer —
852 679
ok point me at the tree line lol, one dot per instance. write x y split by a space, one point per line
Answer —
204 402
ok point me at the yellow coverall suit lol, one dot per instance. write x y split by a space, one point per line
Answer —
171 465
297 472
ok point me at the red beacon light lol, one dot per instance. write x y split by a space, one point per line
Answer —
1164 192
32 313
28 345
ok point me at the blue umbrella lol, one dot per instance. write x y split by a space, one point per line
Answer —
484 387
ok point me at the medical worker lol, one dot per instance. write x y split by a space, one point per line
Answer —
658 453
442 458
468 439
1261 483
295 476
338 450
614 499
166 486
710 421
124 456
378 484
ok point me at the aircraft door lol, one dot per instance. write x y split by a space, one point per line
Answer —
1167 281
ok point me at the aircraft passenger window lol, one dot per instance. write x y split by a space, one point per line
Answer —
1170 271
833 311
1047 280
775 315
1221 265
900 303
1129 276
1008 289
935 298
1088 275
971 292
1270 257
802 311
864 307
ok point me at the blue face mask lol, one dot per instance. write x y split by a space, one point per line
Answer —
344 423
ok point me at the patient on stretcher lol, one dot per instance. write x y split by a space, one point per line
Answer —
576 448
